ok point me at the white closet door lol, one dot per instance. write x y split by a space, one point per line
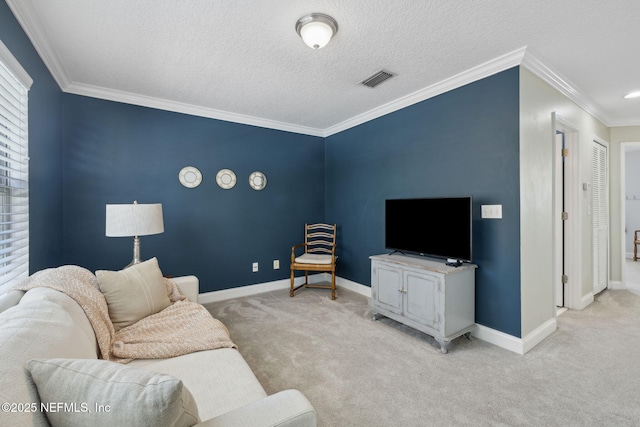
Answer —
600 214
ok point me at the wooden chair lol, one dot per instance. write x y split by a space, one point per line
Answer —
636 242
319 255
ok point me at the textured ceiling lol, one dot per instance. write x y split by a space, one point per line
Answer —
243 61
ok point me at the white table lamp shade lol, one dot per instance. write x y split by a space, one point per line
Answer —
134 220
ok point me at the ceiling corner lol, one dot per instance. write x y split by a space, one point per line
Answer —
28 19
563 85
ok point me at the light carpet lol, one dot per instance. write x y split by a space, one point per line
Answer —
360 372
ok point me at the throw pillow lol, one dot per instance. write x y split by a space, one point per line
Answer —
91 392
133 293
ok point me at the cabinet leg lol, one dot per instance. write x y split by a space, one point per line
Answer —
375 316
468 336
443 346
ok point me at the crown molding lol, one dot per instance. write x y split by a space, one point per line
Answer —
181 107
519 57
622 123
562 85
27 18
471 75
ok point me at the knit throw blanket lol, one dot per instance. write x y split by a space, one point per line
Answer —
183 327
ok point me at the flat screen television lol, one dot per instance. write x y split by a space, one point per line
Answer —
436 227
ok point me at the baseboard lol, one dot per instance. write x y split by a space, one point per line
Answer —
586 300
242 291
539 334
284 284
616 285
515 344
354 286
492 336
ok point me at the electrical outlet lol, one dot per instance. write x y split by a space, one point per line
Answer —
255 267
276 264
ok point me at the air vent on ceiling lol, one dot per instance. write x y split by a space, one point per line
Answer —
377 78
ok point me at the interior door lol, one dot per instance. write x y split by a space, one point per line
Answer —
600 214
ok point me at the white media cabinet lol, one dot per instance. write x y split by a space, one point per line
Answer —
426 294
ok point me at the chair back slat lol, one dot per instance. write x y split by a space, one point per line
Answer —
318 250
320 238
320 225
327 236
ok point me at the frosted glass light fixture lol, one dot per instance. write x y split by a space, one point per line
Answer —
316 29
633 95
133 221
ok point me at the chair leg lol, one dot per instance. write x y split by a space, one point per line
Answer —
333 285
635 251
291 291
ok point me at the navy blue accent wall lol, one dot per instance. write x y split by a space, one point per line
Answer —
463 142
45 181
118 153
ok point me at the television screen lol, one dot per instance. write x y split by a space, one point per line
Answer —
438 227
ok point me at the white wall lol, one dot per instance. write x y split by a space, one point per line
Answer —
632 198
538 101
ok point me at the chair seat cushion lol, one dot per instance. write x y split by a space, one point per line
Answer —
313 259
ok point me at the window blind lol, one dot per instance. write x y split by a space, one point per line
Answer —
14 177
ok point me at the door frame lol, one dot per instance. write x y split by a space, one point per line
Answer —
558 201
573 237
623 206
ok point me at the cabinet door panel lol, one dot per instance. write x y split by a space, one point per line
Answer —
387 285
422 298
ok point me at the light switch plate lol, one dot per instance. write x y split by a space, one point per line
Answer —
492 211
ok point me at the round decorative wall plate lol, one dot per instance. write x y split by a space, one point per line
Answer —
226 178
190 177
257 180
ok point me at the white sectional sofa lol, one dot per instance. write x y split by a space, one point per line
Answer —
47 324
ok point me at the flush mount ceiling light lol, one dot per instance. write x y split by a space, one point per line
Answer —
633 95
316 29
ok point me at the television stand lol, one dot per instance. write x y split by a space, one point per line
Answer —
425 294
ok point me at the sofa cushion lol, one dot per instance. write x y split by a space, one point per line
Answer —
103 393
45 324
9 299
220 380
133 293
